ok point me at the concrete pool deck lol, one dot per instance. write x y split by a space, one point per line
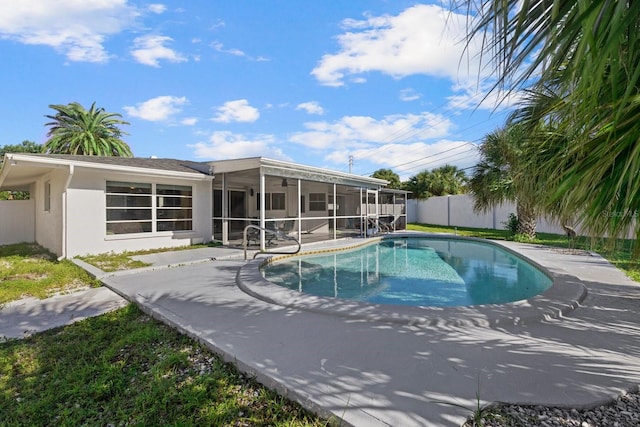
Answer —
381 373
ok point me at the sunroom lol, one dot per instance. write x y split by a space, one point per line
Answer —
284 200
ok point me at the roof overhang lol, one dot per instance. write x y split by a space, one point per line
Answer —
19 170
295 171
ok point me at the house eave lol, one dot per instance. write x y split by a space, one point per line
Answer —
296 171
47 164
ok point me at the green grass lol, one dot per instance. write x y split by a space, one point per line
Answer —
623 253
28 270
116 261
124 368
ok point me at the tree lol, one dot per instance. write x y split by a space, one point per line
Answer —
499 176
448 179
389 175
441 181
587 51
24 147
75 130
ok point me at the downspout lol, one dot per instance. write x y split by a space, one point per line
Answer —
65 201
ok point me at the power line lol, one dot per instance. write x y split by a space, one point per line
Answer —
429 156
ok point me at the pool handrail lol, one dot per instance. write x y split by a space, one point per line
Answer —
279 235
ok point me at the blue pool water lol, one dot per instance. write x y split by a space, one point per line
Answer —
414 271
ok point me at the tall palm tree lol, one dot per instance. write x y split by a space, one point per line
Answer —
499 176
589 52
75 130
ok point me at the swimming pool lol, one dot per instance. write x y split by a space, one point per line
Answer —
419 271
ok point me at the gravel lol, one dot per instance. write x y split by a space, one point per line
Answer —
623 412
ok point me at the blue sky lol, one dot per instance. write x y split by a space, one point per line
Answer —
384 82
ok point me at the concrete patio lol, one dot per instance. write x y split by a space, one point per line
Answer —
384 372
391 374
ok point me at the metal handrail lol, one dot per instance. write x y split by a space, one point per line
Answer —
277 233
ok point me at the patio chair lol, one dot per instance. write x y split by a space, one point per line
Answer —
253 234
287 227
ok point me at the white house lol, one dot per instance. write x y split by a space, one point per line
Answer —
89 204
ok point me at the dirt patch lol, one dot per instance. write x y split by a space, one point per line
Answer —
567 251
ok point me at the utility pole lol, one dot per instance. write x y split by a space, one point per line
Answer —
350 162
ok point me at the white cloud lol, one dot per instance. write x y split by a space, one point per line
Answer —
409 94
362 132
423 39
228 145
157 8
189 121
311 107
409 159
78 29
158 109
237 111
219 47
482 96
150 49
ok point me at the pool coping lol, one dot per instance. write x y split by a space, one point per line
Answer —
563 296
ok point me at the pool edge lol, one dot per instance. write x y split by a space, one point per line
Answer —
563 296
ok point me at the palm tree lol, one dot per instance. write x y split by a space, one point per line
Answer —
449 179
499 176
75 130
441 181
389 175
589 52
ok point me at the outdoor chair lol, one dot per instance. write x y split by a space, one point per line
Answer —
253 234
287 227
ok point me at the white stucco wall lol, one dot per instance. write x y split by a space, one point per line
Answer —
17 221
86 216
48 224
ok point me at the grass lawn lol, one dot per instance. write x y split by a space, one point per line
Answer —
124 368
621 253
121 368
113 261
27 269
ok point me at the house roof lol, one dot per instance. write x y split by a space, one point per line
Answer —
19 170
34 165
295 170
136 162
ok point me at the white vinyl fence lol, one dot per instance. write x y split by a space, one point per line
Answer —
457 211
17 221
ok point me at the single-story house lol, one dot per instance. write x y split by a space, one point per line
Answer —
88 204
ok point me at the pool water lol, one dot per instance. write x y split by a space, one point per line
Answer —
414 271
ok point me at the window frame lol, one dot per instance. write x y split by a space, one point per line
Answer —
314 205
147 204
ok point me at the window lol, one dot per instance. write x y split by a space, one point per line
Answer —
174 207
47 196
278 201
130 207
317 202
272 201
302 204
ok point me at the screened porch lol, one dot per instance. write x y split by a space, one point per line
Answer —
302 202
